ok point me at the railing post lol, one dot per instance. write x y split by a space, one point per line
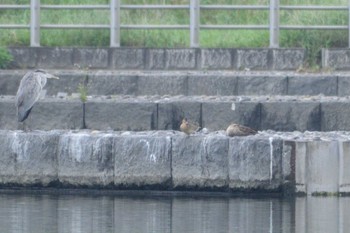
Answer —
194 23
274 23
35 23
115 23
349 24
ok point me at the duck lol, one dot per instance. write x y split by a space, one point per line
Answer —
239 130
187 127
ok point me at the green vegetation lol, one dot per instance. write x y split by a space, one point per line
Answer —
5 58
82 89
313 40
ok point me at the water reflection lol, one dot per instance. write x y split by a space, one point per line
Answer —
72 213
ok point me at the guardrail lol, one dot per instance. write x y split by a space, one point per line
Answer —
195 26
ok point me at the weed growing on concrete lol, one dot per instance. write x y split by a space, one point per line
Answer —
5 58
82 89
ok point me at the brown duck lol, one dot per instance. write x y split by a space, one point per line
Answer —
187 127
239 130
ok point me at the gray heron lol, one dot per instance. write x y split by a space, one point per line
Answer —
29 91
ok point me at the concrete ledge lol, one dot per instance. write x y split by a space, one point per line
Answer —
280 113
144 58
188 83
336 58
307 163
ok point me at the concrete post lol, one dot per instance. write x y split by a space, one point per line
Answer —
194 23
274 23
115 23
35 23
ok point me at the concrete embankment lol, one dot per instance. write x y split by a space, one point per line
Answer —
170 160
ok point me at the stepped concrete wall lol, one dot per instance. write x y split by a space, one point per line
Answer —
308 163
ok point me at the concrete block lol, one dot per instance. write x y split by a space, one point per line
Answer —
300 167
24 57
180 59
85 159
127 58
212 85
28 158
112 84
344 163
255 163
218 115
49 114
255 59
170 114
216 59
335 116
343 85
8 113
287 59
312 85
68 83
55 58
125 115
9 81
162 85
261 85
142 161
200 162
288 162
290 116
156 59
322 156
338 59
90 58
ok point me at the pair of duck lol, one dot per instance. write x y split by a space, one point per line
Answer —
231 131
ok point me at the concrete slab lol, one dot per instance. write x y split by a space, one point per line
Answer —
313 85
255 163
85 160
218 115
282 116
142 161
120 115
199 162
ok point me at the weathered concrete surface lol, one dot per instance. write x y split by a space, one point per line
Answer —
248 169
200 162
336 58
313 85
142 160
85 159
309 163
281 116
170 59
218 115
187 83
124 115
28 158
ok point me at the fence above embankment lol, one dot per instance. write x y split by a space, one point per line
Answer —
194 7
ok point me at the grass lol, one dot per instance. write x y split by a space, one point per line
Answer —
313 40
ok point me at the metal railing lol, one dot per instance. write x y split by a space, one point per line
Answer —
194 26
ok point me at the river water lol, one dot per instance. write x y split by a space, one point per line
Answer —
46 213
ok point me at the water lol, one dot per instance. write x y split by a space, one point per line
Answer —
83 213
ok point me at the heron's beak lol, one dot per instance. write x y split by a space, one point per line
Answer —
54 77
